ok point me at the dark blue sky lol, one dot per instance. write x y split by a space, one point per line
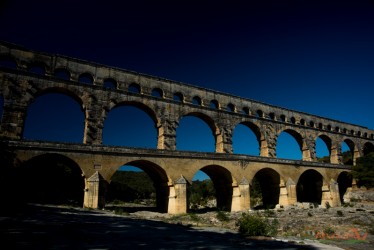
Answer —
311 56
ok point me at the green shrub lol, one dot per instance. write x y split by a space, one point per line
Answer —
329 231
255 225
222 216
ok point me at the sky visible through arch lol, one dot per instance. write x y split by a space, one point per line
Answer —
310 56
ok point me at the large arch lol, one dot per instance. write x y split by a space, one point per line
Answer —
131 124
268 181
285 143
247 147
348 151
309 187
160 181
344 181
223 184
55 114
367 148
50 179
323 148
192 128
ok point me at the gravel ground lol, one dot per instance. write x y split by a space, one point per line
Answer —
57 227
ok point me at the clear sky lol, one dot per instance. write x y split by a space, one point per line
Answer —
306 55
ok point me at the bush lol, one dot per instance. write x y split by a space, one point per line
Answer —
255 225
222 216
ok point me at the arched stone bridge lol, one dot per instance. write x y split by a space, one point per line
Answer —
25 75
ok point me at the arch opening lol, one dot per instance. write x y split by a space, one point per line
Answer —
323 149
62 73
130 125
347 149
55 115
368 147
246 139
196 100
157 92
214 104
138 186
50 179
230 107
344 182
134 88
110 83
178 97
86 78
309 187
201 193
289 145
8 62
37 68
221 181
265 189
195 133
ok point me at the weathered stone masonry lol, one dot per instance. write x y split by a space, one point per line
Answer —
98 89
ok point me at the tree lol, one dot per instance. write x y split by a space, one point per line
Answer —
363 172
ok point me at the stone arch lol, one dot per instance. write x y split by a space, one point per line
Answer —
178 97
161 181
62 73
350 158
223 183
305 152
367 148
134 88
344 181
38 68
110 83
269 182
86 78
328 142
309 187
282 118
214 104
157 92
245 110
231 107
211 124
56 90
142 108
257 132
7 61
196 100
51 179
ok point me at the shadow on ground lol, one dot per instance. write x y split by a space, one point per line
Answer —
47 227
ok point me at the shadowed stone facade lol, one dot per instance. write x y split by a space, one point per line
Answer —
25 75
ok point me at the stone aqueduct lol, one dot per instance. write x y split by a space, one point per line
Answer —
25 75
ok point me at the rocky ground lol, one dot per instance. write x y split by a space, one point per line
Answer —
301 226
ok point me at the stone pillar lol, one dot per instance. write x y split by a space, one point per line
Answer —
223 137
326 196
283 194
245 197
291 191
167 134
13 121
93 197
335 195
335 157
236 199
178 197
94 122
